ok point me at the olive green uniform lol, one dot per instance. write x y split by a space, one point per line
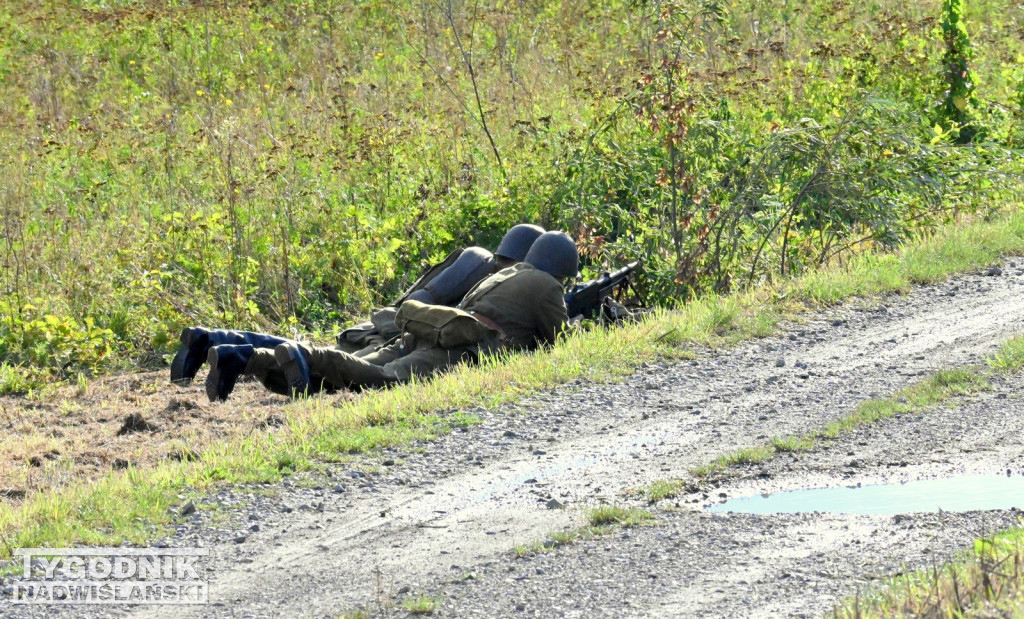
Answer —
458 273
526 303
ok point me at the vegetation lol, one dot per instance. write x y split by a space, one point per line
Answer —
601 521
285 166
420 605
935 389
620 516
132 505
988 582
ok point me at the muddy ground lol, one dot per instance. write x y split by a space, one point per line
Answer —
442 518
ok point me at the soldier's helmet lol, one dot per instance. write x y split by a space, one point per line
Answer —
555 254
517 241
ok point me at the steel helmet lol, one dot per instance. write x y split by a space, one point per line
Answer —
555 254
517 241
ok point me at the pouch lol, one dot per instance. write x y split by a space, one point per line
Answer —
447 327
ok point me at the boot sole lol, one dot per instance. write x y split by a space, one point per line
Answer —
213 378
187 338
286 357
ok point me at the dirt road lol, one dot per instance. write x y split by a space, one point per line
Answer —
442 518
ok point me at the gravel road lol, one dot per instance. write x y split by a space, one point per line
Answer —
441 518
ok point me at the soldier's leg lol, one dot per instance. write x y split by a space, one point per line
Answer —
196 343
392 364
265 368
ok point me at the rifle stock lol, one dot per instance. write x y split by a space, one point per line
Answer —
587 298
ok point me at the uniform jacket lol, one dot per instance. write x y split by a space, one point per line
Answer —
527 303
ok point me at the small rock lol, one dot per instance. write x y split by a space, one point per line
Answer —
780 362
403 590
254 517
554 504
549 544
339 489
539 452
993 271
188 508
520 607
241 539
509 434
254 528
801 365
389 462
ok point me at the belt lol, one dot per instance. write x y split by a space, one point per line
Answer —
490 324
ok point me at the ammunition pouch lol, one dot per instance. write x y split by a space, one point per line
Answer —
439 325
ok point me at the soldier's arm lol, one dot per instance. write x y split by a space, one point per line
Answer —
551 315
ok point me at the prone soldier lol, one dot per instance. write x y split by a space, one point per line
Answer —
443 284
518 308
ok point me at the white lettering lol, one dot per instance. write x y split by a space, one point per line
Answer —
99 568
124 567
186 568
75 568
49 566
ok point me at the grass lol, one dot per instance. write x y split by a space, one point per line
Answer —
420 605
987 582
940 387
613 515
131 506
600 521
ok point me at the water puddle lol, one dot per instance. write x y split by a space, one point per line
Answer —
951 494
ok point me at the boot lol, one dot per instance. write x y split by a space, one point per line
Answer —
293 360
197 341
227 363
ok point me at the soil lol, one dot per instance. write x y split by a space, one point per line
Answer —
442 518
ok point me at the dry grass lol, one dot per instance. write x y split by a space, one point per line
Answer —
64 436
989 583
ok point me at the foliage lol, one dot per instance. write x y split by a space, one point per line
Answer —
288 165
959 98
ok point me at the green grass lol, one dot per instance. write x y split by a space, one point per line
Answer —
601 521
420 605
113 509
613 515
985 582
916 398
942 386
292 164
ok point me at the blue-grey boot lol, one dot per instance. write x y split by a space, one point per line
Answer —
292 359
227 363
196 343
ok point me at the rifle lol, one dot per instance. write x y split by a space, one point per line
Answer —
588 298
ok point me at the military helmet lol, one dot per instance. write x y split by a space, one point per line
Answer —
555 254
517 241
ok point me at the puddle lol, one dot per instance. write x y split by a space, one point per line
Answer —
952 494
